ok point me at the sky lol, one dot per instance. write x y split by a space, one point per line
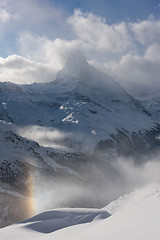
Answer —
120 37
113 11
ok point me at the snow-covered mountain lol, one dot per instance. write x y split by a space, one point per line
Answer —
134 215
82 101
68 131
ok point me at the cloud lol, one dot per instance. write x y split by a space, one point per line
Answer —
31 13
45 136
146 32
4 15
20 70
138 175
152 53
128 51
125 43
39 17
136 73
44 50
97 34
98 188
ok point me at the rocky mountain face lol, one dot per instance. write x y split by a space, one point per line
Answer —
98 120
151 101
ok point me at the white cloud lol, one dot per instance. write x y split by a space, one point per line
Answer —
44 50
134 72
31 12
20 70
18 16
96 34
44 136
4 15
152 53
115 48
146 32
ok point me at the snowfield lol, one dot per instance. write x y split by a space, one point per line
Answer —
134 216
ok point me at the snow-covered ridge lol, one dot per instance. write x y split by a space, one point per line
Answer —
149 192
87 111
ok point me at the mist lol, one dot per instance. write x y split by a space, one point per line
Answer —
55 138
99 179
44 136
97 190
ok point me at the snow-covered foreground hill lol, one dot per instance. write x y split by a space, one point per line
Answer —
133 216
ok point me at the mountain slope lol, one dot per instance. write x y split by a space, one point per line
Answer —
21 162
28 172
151 101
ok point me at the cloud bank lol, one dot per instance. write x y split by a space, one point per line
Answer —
21 70
128 51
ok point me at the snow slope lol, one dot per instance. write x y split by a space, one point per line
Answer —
51 221
134 216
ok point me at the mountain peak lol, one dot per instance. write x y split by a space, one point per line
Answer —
75 65
76 56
